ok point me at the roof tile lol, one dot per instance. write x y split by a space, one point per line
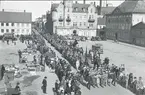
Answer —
19 17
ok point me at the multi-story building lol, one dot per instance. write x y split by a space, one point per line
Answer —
18 23
126 15
138 34
74 18
41 22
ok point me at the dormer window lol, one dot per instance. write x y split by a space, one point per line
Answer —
76 9
83 9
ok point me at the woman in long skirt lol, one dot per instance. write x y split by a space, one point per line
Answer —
77 64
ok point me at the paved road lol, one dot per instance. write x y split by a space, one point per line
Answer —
121 53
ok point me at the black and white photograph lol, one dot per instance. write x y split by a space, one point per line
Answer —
72 47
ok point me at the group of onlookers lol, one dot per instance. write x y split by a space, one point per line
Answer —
102 74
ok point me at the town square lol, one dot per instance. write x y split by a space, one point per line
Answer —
74 48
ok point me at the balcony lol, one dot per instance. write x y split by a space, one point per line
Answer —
68 19
91 20
60 19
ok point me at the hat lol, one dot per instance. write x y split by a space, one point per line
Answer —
45 77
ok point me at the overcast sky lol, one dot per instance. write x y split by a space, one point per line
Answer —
40 7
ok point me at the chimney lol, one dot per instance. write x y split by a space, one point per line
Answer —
24 11
76 2
3 10
84 1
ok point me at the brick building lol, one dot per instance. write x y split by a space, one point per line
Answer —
121 20
138 34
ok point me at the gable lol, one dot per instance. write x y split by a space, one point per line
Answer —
117 11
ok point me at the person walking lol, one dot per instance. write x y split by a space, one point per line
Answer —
56 86
17 88
44 85
140 86
2 71
20 55
34 60
77 64
114 79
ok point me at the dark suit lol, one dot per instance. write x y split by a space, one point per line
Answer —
44 82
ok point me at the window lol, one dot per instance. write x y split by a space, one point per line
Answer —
74 23
84 16
140 32
83 9
27 30
91 25
91 10
7 24
92 16
12 24
2 30
68 10
60 23
27 25
12 30
89 16
67 23
68 15
18 30
18 24
84 23
7 30
2 24
22 24
76 9
22 30
80 24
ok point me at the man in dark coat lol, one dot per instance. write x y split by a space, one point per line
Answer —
56 86
2 71
114 79
20 54
44 85
75 43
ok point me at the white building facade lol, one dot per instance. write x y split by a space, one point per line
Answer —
18 23
73 18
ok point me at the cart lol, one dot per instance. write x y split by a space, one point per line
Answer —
97 49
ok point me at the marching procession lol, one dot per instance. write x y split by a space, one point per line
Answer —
90 73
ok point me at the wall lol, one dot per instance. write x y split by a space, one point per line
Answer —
120 24
19 28
136 18
138 36
80 32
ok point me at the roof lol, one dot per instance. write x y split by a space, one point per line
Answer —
101 21
54 6
132 6
107 10
80 7
16 17
139 25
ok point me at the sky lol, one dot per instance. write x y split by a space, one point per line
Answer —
38 7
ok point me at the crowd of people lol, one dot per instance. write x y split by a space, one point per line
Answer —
100 75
